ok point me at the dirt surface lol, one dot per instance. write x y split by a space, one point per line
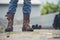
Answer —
43 34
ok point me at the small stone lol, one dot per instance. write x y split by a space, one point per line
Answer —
8 36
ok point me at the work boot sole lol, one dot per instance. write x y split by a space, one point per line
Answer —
9 30
31 30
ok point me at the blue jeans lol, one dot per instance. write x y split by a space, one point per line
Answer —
26 6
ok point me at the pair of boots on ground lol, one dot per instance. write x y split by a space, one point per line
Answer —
26 21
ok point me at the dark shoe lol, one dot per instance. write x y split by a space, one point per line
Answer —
33 26
9 29
30 29
40 26
36 26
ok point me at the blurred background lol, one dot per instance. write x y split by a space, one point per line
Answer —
43 12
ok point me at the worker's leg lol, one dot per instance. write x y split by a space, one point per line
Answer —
10 14
26 15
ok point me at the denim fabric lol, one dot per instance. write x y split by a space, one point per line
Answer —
27 6
13 5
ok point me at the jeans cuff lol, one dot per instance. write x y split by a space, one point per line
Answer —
10 13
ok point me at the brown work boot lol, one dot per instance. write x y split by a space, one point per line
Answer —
26 21
10 17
